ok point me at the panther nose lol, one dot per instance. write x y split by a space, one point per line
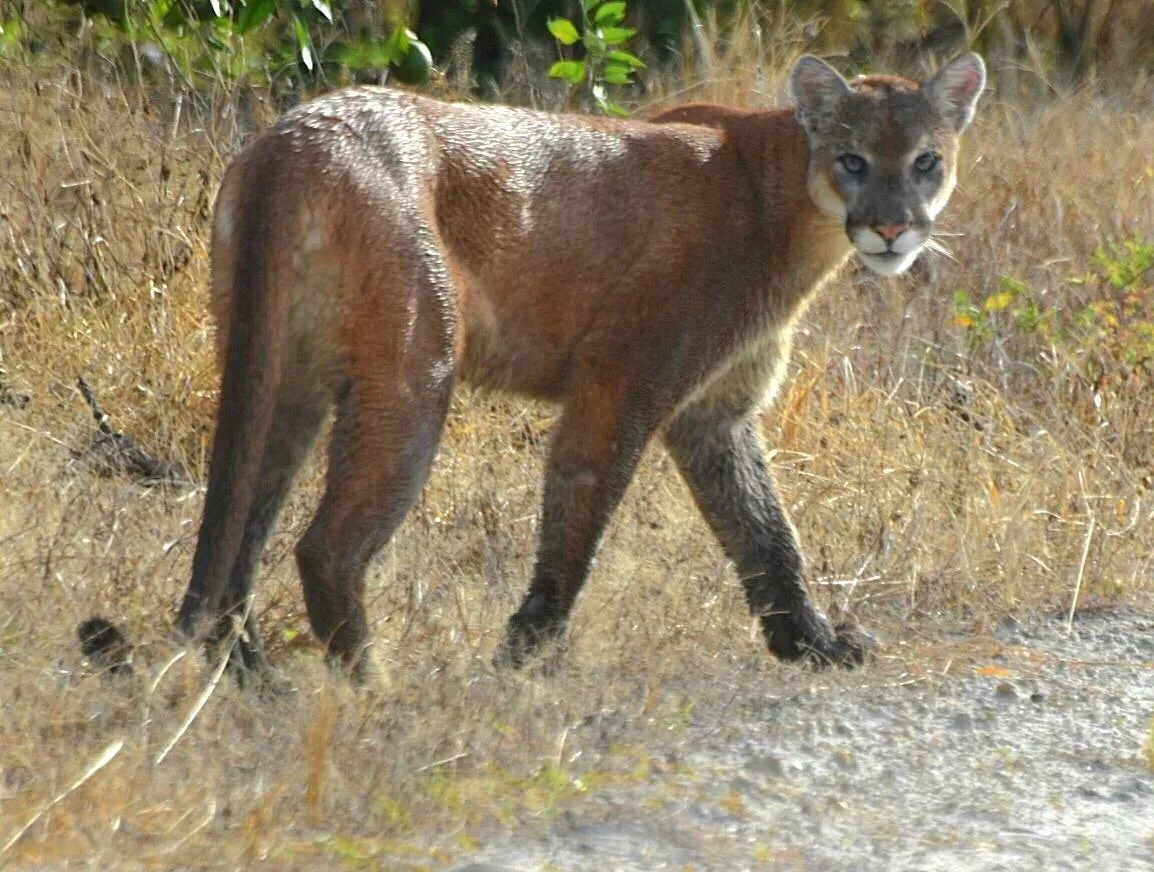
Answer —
890 232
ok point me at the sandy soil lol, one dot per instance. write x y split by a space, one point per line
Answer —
1034 757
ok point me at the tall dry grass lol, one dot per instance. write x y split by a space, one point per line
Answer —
938 487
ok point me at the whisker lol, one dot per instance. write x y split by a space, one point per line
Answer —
936 246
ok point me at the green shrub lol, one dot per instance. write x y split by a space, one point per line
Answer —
606 62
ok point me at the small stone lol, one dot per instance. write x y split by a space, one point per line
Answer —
963 721
771 765
1038 697
1006 691
741 785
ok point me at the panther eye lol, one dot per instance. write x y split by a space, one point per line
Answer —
854 164
926 161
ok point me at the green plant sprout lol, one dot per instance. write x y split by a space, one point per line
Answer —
606 62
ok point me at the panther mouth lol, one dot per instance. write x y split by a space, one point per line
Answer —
888 255
888 262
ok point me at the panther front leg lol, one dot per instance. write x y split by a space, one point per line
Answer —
723 460
595 450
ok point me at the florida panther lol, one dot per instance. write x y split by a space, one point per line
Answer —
375 248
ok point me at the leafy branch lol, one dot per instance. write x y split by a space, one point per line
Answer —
606 62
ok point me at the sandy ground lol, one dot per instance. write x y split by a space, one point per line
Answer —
1032 758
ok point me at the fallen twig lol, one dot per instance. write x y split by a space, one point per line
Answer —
1081 572
200 703
103 760
113 452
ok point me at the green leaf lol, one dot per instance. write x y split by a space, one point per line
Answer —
397 45
323 8
608 106
1013 286
594 44
571 71
612 12
615 35
617 74
254 14
414 68
563 30
626 57
306 50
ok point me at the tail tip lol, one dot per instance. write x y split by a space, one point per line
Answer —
105 646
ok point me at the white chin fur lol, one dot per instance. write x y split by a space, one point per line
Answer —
869 241
889 265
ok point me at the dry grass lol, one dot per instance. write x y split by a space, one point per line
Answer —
935 489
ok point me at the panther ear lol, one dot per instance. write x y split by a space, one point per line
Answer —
817 89
955 89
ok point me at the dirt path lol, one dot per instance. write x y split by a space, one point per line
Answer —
1034 759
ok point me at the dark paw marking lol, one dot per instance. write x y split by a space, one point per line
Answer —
852 646
527 638
846 646
105 646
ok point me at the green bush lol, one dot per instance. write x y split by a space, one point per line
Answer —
1101 322
606 61
261 40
